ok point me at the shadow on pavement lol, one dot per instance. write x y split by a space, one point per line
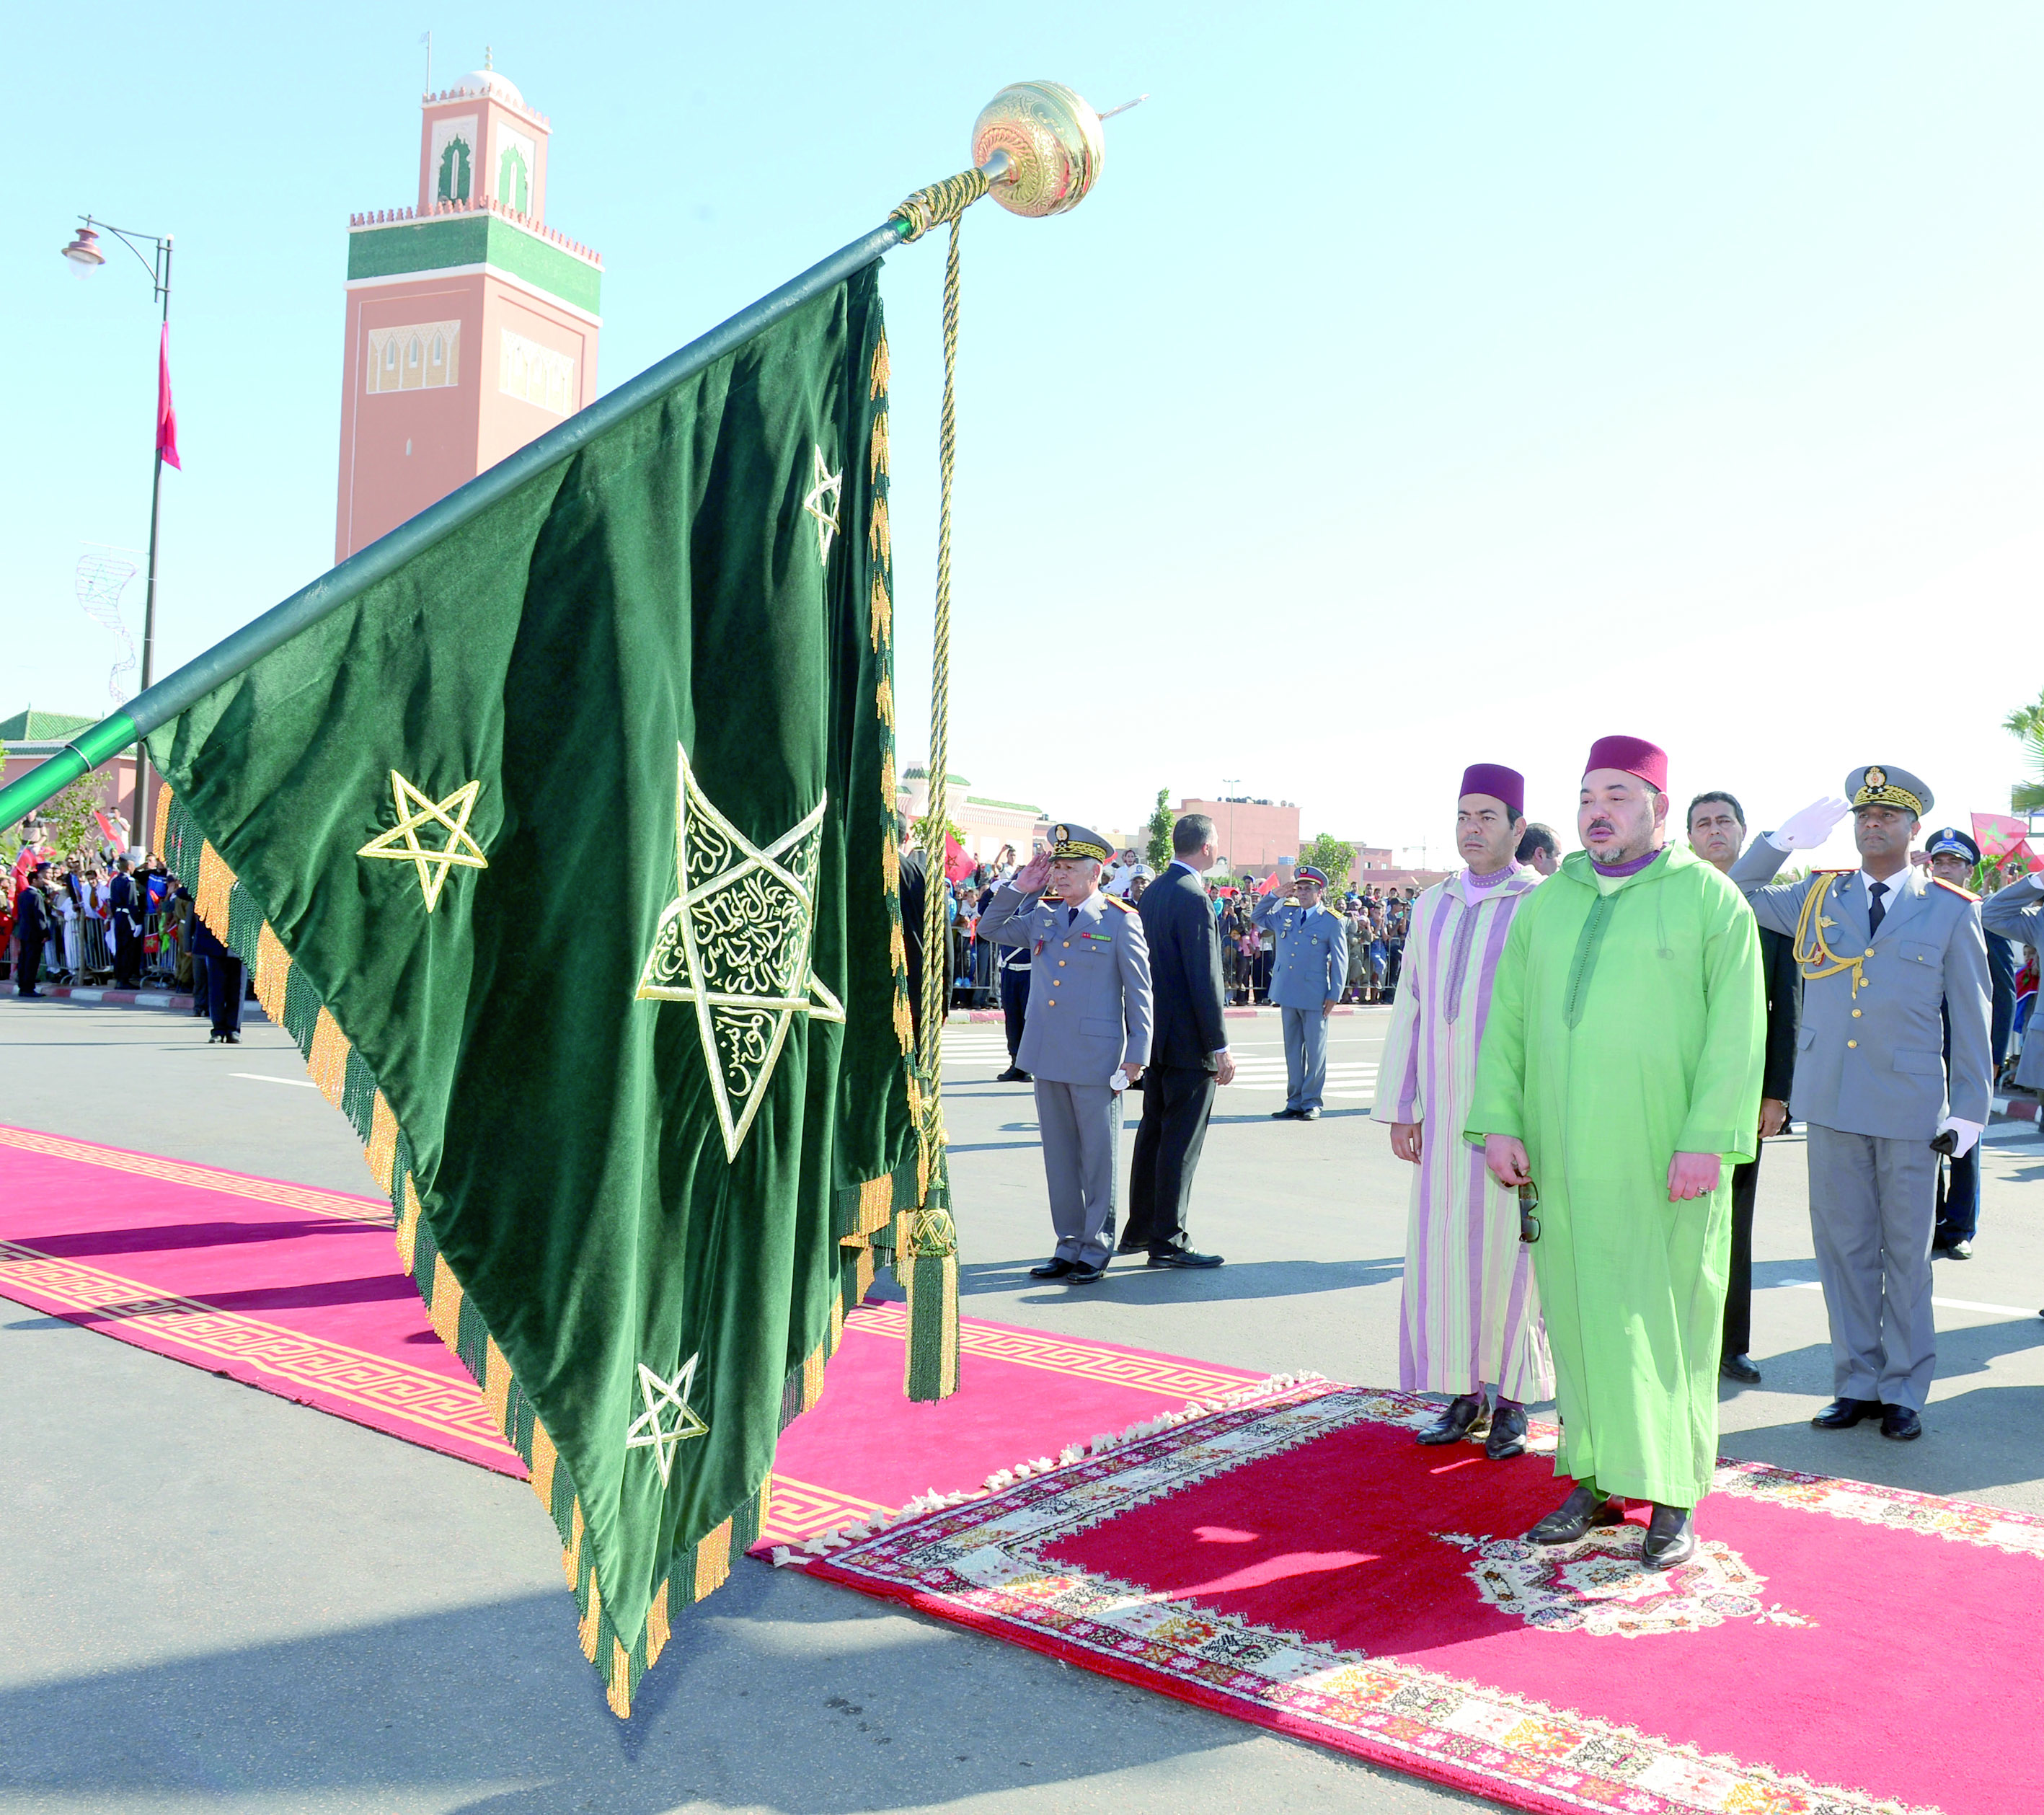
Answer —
781 1694
1131 1281
1970 1440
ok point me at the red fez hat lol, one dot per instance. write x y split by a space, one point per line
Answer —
1499 782
1635 756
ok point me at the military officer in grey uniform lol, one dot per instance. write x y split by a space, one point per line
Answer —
1308 967
1882 950
2016 913
1086 1037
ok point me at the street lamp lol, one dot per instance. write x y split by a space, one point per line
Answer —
1231 781
85 258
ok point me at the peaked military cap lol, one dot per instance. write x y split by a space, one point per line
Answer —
1076 841
1950 841
1306 873
1876 786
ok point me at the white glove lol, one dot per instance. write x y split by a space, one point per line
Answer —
1968 1131
1806 830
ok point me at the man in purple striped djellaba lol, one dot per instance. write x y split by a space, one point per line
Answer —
1470 1322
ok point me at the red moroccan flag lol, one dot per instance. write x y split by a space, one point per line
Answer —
167 414
957 866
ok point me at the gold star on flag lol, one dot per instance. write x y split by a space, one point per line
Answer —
736 941
401 843
661 1396
822 503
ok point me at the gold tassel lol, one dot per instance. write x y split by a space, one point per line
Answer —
877 455
884 699
328 1065
591 1621
880 368
877 537
658 1630
159 836
381 1153
713 1562
571 1561
273 970
408 1227
544 1458
619 1692
216 884
444 1312
497 1384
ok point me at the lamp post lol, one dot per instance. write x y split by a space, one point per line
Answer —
1231 781
85 258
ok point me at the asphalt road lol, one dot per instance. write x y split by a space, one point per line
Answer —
210 1599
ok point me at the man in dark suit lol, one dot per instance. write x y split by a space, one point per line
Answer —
914 886
1717 833
1189 1052
125 897
32 927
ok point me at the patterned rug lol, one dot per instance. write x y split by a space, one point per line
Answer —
1297 1561
299 1292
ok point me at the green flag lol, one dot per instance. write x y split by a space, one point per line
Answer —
567 852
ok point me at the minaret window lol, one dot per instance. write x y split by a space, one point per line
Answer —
511 189
454 182
423 356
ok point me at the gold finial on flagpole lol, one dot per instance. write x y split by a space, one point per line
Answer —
1050 143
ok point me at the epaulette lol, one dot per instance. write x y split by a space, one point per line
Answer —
1849 870
1965 894
1115 901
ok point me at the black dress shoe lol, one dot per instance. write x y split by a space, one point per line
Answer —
1085 1275
1671 1538
1900 1423
1583 1508
1053 1269
1284 1115
1184 1257
1842 1414
1014 1074
1961 1250
1128 1246
1307 1115
1739 1368
1508 1433
1462 1416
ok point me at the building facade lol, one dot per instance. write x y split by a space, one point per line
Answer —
984 825
472 324
1255 836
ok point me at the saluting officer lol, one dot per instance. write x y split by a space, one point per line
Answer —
1087 1033
1889 956
1307 970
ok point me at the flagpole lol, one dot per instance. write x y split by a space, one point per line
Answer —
1037 159
140 832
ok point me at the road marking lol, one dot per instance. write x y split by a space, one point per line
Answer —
1943 1304
263 1077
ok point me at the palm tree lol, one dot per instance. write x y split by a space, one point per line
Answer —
2027 723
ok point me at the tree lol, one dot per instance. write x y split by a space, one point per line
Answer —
927 835
1162 820
2027 724
69 828
1334 855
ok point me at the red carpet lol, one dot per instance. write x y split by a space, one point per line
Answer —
1835 1649
299 1292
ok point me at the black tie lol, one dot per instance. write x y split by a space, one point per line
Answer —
1878 912
1071 917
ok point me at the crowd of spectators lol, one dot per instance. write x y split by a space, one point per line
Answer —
1377 920
101 916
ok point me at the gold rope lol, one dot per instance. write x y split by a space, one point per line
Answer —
1812 951
931 207
936 943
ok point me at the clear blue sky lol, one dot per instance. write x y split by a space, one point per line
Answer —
1420 384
